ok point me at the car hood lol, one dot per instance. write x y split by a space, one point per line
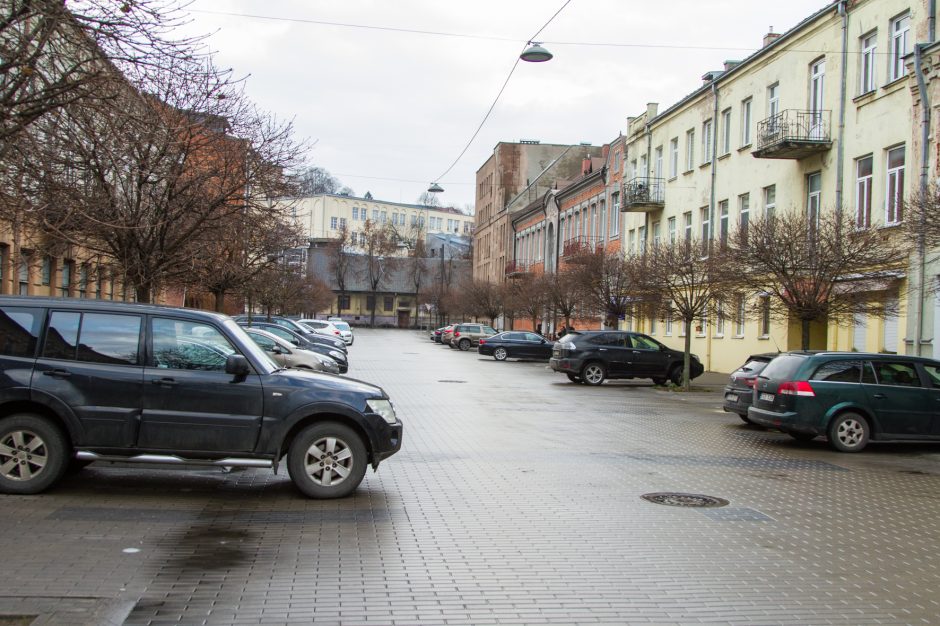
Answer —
331 383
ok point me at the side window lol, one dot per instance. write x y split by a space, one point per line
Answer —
618 340
489 330
839 372
267 344
188 345
868 374
19 330
283 334
473 329
533 337
113 339
644 343
897 374
62 336
933 375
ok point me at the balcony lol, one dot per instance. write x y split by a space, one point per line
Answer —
643 195
581 244
517 268
793 134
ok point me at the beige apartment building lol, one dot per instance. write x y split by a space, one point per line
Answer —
820 117
322 216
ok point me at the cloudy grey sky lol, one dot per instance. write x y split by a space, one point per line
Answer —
390 110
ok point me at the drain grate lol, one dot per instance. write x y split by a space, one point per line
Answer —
684 499
451 381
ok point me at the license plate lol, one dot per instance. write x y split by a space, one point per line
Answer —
767 397
731 397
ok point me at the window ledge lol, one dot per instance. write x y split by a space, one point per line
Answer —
764 338
669 180
718 336
746 146
895 82
724 156
704 165
865 98
738 337
687 172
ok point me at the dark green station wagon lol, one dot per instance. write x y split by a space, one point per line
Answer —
849 397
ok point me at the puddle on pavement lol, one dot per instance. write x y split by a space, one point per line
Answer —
206 548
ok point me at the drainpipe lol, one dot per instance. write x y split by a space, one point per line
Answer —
711 205
924 175
843 89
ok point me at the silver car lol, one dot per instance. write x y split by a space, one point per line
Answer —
286 354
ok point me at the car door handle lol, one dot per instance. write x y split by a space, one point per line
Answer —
57 373
602 349
879 396
168 382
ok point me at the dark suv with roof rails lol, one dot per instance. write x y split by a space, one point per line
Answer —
89 380
591 357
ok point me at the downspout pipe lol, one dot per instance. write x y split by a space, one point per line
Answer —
923 186
711 203
843 90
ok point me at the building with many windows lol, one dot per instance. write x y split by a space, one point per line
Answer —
819 119
324 216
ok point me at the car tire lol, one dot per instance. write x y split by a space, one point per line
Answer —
593 373
848 432
451 346
659 380
464 345
802 436
34 454
573 378
675 374
500 354
745 419
322 452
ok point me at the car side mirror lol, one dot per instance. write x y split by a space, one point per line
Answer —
237 365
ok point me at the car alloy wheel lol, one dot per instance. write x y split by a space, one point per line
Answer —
327 460
500 354
593 374
848 432
33 454
464 344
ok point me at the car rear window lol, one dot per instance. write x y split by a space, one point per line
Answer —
754 366
783 367
839 372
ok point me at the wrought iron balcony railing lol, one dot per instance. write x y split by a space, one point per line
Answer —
643 194
582 244
793 134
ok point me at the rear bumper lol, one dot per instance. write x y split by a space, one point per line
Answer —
787 421
742 399
565 365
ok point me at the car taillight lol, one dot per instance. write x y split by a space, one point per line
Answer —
482 341
750 382
456 333
796 388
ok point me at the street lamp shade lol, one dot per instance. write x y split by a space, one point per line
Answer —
535 53
435 188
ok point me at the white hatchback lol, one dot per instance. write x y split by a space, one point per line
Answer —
329 328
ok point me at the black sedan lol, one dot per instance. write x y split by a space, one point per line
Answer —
517 345
740 390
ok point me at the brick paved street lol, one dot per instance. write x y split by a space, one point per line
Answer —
515 500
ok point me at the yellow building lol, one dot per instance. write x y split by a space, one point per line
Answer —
819 118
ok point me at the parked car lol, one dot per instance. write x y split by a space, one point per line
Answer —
345 330
285 322
740 389
97 380
516 345
286 354
591 357
435 334
308 342
851 398
465 336
324 327
447 334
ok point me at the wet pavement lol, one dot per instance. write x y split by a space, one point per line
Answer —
516 499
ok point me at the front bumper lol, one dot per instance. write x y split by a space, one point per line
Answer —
386 442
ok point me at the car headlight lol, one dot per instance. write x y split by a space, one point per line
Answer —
383 408
337 355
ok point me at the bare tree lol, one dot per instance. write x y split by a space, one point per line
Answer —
607 283
812 268
148 180
565 292
286 289
314 180
340 258
379 245
677 277
429 199
482 299
530 297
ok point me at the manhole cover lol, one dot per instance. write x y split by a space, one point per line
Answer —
451 381
684 499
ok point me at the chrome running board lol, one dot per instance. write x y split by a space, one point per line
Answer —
166 459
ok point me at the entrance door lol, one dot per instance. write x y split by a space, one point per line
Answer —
404 319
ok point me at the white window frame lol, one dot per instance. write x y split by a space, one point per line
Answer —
615 214
334 222
671 229
720 319
867 73
900 34
894 187
707 143
863 184
658 162
673 157
744 215
726 131
724 222
770 200
814 197
706 228
740 315
773 100
746 121
690 150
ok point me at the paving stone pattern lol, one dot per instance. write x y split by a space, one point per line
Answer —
515 500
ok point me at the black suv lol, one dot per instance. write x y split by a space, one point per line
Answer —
89 380
593 356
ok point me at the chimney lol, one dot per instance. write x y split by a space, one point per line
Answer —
770 37
651 109
586 165
730 65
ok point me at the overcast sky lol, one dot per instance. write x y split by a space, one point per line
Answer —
390 111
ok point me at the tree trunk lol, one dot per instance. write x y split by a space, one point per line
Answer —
219 296
687 357
804 338
144 293
372 311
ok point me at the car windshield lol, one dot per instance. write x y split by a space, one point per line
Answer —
341 325
783 367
